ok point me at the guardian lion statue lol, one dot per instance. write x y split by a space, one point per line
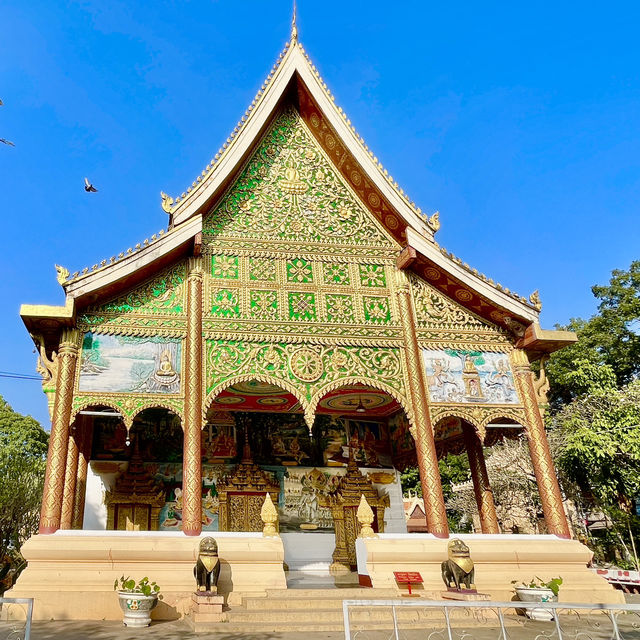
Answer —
207 568
458 570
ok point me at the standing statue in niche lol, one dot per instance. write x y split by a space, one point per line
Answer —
207 569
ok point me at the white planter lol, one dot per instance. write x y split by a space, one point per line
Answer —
137 608
537 594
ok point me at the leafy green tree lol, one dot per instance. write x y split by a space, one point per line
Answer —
598 449
23 451
611 337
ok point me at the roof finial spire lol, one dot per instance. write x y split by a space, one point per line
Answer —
294 26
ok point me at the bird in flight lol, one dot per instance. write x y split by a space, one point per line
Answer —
5 141
88 187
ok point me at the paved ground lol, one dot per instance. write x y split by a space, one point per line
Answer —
518 629
179 631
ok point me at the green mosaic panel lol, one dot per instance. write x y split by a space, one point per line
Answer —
299 271
225 303
262 269
302 306
224 267
339 308
336 274
372 275
263 304
376 310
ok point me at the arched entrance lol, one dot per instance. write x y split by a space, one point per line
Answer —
134 468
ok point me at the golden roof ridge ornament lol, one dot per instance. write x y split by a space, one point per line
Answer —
167 202
62 274
294 26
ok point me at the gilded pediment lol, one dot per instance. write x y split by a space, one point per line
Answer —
289 195
439 313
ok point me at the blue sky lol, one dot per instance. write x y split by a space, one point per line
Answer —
519 122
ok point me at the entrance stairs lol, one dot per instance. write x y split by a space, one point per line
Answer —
316 609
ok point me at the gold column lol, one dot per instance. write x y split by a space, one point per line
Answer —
480 478
436 514
59 438
84 445
192 456
543 468
70 476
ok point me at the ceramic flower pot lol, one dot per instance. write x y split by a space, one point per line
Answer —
537 594
137 608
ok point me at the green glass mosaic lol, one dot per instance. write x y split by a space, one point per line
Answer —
263 304
262 269
372 275
339 308
302 306
336 274
299 271
225 303
224 267
376 310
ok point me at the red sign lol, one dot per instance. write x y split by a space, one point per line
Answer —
408 577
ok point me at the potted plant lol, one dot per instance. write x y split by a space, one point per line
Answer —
137 600
537 590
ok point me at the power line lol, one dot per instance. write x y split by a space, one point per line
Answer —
18 376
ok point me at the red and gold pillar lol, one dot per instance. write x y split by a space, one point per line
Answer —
436 514
543 468
192 456
59 438
480 479
70 477
84 446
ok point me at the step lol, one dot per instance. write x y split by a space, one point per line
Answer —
335 615
346 593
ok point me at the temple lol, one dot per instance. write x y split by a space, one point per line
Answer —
296 332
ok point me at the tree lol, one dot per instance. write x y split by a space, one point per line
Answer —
611 337
598 448
23 451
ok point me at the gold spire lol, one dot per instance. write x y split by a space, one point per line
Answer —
294 27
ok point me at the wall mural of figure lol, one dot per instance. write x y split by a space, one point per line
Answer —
129 364
459 376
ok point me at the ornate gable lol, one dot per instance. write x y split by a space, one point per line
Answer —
156 306
289 197
441 319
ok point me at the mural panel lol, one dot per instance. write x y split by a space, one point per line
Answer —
127 364
469 377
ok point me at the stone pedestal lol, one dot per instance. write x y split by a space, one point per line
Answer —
206 610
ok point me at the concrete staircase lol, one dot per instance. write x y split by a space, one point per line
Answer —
319 610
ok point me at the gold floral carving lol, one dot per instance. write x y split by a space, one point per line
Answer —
308 372
84 446
192 456
70 476
156 307
290 194
543 468
58 441
426 454
449 320
478 416
306 364
129 405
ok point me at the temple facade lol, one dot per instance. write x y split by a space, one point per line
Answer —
296 331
